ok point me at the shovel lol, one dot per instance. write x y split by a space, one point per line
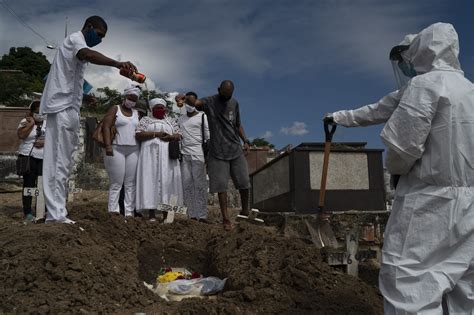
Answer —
324 234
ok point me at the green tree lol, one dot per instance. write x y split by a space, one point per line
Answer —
261 142
109 97
31 68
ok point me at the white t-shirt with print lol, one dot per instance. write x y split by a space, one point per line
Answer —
63 87
27 144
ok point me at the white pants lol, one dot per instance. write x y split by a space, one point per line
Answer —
122 170
193 174
428 251
61 140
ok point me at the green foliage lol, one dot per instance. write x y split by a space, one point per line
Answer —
107 97
14 85
25 59
261 142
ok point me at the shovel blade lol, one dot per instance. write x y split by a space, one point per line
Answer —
327 234
322 234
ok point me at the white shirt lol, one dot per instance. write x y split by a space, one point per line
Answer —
63 87
191 131
125 128
27 144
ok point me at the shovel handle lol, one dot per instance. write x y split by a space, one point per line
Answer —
324 175
329 133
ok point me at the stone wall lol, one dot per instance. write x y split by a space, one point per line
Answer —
87 175
9 181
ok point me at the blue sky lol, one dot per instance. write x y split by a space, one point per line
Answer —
291 61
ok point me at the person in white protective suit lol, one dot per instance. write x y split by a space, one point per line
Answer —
61 101
429 239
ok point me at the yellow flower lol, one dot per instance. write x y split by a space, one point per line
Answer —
169 276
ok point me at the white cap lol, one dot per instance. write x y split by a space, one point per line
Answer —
157 101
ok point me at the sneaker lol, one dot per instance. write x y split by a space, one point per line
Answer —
30 218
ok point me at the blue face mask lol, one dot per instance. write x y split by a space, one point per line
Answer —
92 38
407 69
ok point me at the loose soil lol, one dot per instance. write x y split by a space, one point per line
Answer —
99 265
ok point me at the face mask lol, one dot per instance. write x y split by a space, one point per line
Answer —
189 108
159 112
403 71
407 69
92 38
129 104
38 117
224 98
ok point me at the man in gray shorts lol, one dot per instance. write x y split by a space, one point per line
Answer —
226 158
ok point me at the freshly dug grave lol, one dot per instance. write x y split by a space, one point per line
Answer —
100 263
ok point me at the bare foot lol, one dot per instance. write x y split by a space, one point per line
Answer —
227 225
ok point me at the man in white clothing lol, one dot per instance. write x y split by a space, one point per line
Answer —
61 101
195 134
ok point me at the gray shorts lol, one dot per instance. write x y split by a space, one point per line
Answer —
220 171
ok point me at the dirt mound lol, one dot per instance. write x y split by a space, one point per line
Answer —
100 263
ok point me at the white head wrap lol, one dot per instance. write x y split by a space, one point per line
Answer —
157 101
132 90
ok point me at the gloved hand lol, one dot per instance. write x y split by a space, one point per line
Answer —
328 118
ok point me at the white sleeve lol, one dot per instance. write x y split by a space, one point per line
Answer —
408 128
22 123
78 42
371 114
207 134
142 125
175 127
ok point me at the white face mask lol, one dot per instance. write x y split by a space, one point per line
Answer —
129 104
38 117
189 108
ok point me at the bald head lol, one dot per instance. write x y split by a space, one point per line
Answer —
226 89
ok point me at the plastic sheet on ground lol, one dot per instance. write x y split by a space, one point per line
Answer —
180 289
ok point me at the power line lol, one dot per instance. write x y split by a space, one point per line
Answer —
22 22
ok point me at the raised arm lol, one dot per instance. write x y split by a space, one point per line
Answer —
181 98
97 58
25 128
371 114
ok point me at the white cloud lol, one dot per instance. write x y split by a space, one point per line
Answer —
297 129
177 49
267 134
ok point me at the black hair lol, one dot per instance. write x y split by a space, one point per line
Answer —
34 105
192 93
96 21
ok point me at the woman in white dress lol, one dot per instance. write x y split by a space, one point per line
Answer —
158 177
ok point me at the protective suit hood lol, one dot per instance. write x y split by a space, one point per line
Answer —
435 48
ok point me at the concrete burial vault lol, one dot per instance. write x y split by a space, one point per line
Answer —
291 182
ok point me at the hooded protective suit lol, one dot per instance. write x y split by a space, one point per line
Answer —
429 239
